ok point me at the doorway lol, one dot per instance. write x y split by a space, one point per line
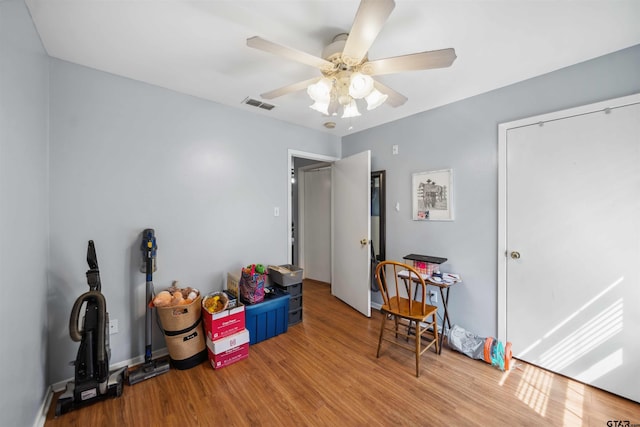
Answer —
350 172
296 161
378 215
302 166
314 221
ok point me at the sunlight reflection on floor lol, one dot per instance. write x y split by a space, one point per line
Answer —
534 389
574 401
505 375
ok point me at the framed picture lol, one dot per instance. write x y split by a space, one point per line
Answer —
432 195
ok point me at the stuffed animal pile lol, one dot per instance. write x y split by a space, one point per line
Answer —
176 296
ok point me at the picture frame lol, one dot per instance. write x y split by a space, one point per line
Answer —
432 195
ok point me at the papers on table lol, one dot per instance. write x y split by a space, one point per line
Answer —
447 278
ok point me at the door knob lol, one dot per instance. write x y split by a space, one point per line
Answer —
515 255
363 242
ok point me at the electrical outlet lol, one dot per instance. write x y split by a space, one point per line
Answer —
433 297
113 326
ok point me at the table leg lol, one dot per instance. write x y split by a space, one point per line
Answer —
446 323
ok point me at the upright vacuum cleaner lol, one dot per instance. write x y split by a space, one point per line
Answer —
150 368
93 381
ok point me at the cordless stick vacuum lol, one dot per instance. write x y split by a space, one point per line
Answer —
150 368
93 381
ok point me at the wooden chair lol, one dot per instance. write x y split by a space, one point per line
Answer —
404 300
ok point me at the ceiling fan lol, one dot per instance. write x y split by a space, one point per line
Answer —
347 71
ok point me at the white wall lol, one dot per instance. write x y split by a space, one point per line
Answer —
464 136
23 216
127 156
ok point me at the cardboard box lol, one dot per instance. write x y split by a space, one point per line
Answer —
228 350
224 323
232 284
229 342
229 357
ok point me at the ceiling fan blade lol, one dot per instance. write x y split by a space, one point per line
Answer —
289 88
416 61
395 99
289 53
370 18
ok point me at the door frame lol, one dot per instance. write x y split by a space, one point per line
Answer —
305 155
503 129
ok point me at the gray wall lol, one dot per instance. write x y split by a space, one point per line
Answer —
127 156
464 136
23 216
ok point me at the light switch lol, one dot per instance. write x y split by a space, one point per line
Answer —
394 149
276 211
397 206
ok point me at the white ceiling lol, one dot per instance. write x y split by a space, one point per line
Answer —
199 47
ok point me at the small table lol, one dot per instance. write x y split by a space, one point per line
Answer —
444 286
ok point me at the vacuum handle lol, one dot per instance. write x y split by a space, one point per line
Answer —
148 248
149 265
93 275
92 258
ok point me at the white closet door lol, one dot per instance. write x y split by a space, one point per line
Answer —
573 217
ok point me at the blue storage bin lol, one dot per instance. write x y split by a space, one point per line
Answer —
268 318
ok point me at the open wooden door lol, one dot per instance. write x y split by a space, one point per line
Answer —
351 231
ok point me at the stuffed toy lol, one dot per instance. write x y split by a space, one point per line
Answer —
175 296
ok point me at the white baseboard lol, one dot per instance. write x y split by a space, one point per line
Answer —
41 417
376 305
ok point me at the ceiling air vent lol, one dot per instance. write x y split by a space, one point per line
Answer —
259 104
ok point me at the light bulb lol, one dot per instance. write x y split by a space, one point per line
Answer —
361 85
350 110
375 99
321 90
321 107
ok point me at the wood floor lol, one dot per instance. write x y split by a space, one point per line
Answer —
324 372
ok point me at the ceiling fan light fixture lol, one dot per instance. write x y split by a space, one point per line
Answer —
350 110
375 99
333 105
361 85
347 73
321 90
321 107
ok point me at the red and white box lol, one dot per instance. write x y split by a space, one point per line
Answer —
425 267
224 323
228 350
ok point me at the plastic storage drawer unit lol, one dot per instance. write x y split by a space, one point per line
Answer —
285 275
268 318
295 304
